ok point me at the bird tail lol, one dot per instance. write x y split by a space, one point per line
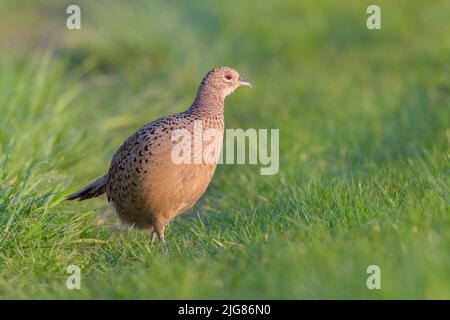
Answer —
95 189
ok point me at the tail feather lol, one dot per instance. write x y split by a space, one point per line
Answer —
95 189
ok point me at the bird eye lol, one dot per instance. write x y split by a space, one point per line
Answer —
228 77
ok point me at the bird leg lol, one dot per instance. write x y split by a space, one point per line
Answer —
153 237
159 229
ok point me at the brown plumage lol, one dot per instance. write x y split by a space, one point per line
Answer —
144 184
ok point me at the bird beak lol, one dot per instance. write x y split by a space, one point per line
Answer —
244 82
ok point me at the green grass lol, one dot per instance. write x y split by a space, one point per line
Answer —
364 148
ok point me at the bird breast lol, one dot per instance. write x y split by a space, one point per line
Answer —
145 180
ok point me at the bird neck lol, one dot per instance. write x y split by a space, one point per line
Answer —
209 101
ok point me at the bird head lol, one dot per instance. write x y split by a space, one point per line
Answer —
225 80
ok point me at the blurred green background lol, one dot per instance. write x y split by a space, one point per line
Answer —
364 148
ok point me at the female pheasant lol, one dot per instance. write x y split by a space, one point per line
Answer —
145 184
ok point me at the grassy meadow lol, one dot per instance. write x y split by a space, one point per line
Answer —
364 123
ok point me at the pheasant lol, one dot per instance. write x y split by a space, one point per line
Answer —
145 184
